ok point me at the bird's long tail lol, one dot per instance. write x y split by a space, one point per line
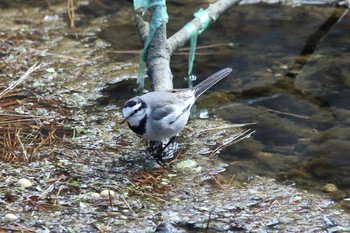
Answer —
210 81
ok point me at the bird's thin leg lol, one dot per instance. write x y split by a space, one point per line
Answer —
171 140
156 149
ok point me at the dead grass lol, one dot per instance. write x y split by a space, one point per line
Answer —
23 134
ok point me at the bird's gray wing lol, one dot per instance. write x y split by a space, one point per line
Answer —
162 112
169 106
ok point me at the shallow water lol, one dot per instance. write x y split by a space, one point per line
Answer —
291 79
298 102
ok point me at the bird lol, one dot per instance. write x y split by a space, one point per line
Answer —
160 115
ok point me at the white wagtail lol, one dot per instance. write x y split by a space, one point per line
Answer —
160 115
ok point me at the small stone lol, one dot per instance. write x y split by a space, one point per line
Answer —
278 75
24 183
106 191
186 164
284 67
95 195
11 217
329 188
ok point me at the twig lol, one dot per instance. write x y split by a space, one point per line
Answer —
50 188
208 222
217 181
288 114
60 56
210 46
201 53
6 122
110 197
23 228
239 137
71 13
22 146
231 179
48 4
226 127
99 228
127 204
24 76
138 51
40 144
29 116
58 193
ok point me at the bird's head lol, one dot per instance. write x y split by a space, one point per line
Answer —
134 111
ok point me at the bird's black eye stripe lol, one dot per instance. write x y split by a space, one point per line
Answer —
129 104
143 106
132 103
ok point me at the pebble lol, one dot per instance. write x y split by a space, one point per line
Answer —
105 192
24 183
329 188
278 75
189 163
11 217
284 67
95 195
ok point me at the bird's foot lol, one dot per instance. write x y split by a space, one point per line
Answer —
160 152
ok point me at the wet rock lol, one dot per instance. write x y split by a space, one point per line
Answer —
326 79
326 75
319 167
166 228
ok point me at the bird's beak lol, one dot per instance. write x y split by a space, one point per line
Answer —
123 121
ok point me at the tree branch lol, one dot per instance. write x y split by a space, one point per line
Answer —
142 28
158 61
160 49
214 11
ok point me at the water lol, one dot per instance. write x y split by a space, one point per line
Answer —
291 78
296 92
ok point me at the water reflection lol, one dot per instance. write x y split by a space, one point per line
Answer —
301 109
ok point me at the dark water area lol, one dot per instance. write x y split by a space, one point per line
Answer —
291 78
297 96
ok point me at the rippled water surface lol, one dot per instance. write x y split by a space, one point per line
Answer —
295 87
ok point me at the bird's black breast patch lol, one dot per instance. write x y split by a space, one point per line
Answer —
141 128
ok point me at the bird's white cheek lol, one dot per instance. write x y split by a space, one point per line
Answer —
135 119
